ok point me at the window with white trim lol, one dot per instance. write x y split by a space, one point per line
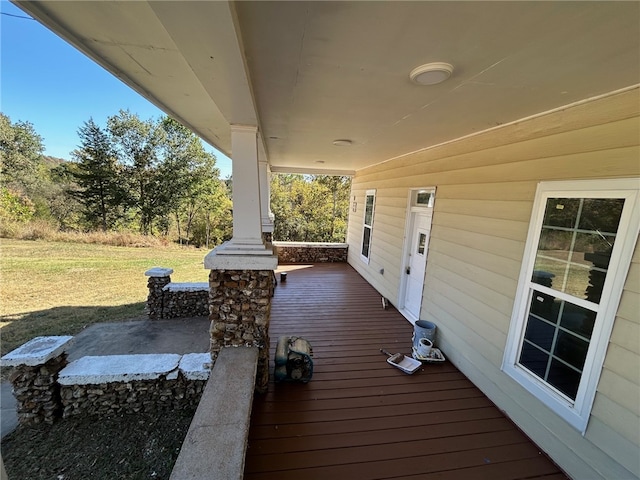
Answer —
367 229
581 239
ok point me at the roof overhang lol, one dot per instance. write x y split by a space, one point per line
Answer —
309 73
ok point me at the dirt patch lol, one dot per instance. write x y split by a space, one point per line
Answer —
126 447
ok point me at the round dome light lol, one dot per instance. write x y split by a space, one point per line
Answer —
431 73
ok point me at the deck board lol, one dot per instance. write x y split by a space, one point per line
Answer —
360 418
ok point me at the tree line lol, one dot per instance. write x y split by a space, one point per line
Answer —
152 176
310 208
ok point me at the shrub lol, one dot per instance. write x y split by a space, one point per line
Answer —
48 230
15 206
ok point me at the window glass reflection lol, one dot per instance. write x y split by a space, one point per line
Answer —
575 244
561 212
601 214
423 198
534 359
366 241
368 213
571 349
556 341
540 333
564 378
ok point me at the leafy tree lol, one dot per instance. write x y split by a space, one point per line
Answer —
20 151
30 187
338 188
99 178
137 144
203 191
284 201
189 173
213 223
15 206
153 174
63 207
310 208
172 177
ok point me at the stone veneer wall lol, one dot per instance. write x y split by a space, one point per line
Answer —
309 252
159 395
37 391
47 387
185 300
240 310
156 296
167 299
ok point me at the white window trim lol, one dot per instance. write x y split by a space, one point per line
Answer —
413 198
365 226
576 413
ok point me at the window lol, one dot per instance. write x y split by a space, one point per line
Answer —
422 198
422 243
581 239
369 204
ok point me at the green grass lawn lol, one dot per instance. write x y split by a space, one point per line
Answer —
52 288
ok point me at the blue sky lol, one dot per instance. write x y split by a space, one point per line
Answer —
50 84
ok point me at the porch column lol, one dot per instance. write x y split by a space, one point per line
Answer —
241 280
264 172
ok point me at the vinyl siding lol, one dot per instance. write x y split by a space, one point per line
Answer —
486 186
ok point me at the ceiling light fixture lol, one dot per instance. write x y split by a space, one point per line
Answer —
431 73
343 142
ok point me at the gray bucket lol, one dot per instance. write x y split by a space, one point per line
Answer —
423 329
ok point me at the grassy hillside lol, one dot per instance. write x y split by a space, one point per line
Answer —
55 288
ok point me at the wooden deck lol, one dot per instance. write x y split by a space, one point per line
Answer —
359 418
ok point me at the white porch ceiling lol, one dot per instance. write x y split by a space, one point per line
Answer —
311 72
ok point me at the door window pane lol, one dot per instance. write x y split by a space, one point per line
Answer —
422 242
423 198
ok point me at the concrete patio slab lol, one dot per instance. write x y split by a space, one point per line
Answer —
179 335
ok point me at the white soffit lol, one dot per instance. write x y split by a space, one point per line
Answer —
319 71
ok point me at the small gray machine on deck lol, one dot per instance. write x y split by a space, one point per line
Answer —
293 360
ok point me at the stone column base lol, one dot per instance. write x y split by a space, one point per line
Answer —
159 277
240 310
37 391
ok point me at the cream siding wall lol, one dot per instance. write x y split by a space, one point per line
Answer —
485 191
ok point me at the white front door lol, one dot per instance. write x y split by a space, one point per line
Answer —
417 262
